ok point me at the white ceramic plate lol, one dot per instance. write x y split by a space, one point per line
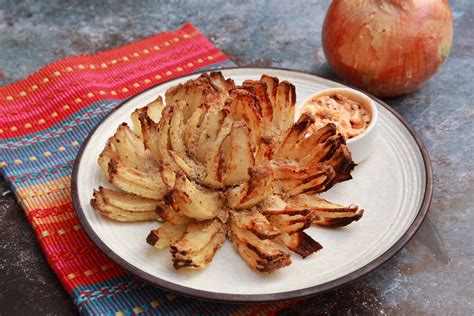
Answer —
393 185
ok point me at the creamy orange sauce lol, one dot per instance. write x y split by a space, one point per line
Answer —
350 117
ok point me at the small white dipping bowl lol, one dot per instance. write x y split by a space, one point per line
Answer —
362 145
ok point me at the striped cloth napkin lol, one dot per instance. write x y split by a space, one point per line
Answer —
44 120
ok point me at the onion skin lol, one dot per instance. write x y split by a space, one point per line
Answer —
387 47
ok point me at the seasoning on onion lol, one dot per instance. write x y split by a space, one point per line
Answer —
387 47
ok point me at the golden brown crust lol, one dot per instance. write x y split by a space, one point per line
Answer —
326 213
245 106
256 222
293 180
237 155
134 181
220 157
193 201
207 89
253 191
300 242
259 89
260 254
166 235
198 245
293 137
116 206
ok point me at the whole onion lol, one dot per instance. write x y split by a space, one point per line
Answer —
387 47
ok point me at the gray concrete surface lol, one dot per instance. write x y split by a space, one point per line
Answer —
432 275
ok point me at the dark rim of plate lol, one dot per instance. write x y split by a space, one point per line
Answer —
259 298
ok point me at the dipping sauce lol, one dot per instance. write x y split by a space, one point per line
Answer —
350 117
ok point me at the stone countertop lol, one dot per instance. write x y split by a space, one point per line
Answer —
433 274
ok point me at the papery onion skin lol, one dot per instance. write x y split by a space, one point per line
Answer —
387 47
